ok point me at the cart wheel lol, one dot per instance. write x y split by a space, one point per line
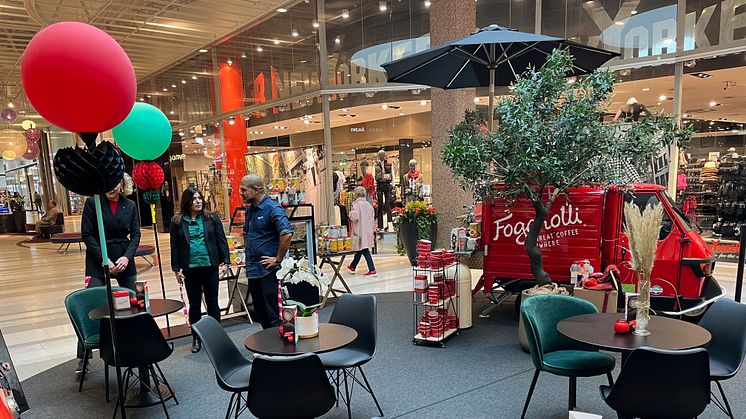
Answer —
414 342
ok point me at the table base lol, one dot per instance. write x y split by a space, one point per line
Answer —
175 332
139 397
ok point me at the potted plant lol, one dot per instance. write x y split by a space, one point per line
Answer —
550 138
17 206
294 271
417 221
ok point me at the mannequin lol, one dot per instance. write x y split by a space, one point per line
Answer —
384 176
367 180
412 183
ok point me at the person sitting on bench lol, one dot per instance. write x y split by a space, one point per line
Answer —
49 218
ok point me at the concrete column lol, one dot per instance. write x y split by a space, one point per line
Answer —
449 20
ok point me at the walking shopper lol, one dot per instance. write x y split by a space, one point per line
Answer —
363 220
199 256
267 234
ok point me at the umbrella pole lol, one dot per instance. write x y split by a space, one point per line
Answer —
491 119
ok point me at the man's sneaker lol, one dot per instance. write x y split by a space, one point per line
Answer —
351 269
371 274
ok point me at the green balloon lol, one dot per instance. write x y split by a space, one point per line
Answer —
145 134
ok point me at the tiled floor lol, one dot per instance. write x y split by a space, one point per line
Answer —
35 280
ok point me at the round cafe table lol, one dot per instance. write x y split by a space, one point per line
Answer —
142 396
665 333
331 336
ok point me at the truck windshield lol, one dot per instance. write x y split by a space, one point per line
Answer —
685 222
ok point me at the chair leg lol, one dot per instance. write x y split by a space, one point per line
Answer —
106 379
230 406
165 381
611 379
238 406
336 386
725 400
347 395
85 365
530 393
158 390
370 390
571 396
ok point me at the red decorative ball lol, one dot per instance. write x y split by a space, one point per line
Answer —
621 326
147 175
78 77
32 151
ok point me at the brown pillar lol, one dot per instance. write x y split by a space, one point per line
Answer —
449 20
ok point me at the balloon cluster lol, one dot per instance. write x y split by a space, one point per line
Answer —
87 92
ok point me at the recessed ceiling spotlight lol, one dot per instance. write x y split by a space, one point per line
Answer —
229 61
142 99
202 50
382 6
423 102
337 40
315 24
345 14
183 81
384 106
275 41
634 12
662 98
281 10
294 32
476 99
231 121
259 49
165 89
713 103
645 89
344 109
427 3
194 77
181 133
243 55
171 112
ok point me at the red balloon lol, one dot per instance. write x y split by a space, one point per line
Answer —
147 175
78 77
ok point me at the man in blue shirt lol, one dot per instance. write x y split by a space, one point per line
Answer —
267 233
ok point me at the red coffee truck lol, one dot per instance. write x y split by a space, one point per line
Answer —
587 224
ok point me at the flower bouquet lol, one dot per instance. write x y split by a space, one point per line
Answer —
294 271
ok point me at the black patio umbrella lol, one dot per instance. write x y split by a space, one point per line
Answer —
489 57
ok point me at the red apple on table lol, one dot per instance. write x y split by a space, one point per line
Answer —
621 326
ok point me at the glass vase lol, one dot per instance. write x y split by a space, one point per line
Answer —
643 305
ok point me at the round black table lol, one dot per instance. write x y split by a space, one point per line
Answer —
331 336
142 396
158 307
665 333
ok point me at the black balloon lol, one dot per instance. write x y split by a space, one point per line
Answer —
89 172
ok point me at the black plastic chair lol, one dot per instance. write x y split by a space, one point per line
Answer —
360 313
659 384
299 380
726 321
140 344
232 370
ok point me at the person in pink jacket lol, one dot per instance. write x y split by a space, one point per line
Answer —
363 221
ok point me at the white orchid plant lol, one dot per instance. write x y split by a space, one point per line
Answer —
294 271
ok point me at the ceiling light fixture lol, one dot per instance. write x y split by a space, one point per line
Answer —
194 77
173 85
294 33
229 61
11 105
713 103
142 99
423 102
259 49
345 14
202 50
344 110
243 55
281 10
662 98
645 89
275 41
165 89
634 12
183 81
337 40
231 121
382 6
315 24
384 106
171 112
427 3
476 99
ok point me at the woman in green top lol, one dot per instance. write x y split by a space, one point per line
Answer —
199 250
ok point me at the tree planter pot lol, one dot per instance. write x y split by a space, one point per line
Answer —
19 221
307 327
410 236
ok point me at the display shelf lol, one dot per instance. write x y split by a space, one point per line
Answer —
446 335
434 270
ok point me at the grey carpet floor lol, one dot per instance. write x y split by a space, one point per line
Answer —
481 373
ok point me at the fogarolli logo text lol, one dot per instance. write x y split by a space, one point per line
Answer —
566 216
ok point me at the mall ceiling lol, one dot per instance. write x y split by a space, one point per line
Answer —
154 33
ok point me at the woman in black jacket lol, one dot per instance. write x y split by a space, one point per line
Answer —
198 250
122 227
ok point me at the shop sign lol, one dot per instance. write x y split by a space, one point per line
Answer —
357 129
653 32
178 157
724 250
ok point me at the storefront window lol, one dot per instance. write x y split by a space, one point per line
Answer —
711 23
634 29
514 14
361 35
